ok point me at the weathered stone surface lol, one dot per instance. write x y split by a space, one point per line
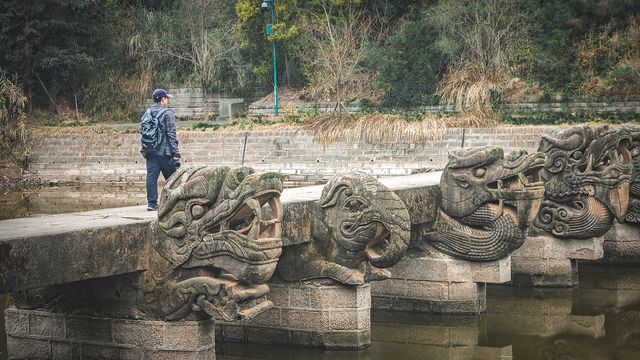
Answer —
587 176
215 243
548 261
622 244
487 203
359 227
324 316
38 251
103 338
432 281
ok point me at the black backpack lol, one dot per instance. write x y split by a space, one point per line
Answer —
151 135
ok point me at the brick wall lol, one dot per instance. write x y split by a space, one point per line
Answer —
115 156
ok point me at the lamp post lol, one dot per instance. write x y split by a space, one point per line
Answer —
266 4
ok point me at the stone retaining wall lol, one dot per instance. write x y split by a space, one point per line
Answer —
598 107
115 157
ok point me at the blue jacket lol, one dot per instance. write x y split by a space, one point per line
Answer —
169 144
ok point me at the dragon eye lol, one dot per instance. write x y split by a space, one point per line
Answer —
479 172
197 211
354 204
577 155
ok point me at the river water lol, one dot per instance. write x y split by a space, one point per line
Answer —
599 319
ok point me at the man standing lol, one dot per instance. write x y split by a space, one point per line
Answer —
166 156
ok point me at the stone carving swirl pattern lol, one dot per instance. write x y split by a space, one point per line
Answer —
633 214
360 228
586 177
488 203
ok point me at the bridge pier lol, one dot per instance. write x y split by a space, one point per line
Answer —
547 261
43 335
433 282
322 316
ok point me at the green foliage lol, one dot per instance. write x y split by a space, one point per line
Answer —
567 118
97 59
57 46
409 65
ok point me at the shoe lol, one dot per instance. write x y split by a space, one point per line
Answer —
152 207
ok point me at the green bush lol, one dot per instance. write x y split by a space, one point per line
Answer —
409 65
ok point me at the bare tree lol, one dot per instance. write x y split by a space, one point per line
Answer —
334 68
197 33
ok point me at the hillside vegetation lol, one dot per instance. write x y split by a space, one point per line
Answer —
96 60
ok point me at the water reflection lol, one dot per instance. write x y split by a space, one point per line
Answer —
72 198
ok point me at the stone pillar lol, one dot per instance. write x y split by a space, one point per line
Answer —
333 317
622 244
45 335
549 261
433 282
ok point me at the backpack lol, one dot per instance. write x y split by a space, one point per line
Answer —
151 135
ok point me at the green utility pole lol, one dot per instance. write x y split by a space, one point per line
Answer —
271 4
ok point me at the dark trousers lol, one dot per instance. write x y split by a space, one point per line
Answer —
155 165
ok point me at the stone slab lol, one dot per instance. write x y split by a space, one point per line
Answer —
55 249
417 192
323 316
44 335
547 261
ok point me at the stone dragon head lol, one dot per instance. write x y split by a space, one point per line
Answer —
216 243
633 214
360 228
587 177
488 202
477 176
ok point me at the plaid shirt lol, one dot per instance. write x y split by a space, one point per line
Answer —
169 144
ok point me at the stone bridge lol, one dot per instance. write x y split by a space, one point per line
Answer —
232 256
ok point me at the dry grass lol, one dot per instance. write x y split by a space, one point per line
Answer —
376 128
469 87
13 134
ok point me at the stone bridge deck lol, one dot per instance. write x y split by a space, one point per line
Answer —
55 249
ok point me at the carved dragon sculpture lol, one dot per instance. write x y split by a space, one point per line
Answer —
488 202
586 177
214 247
215 244
360 228
633 214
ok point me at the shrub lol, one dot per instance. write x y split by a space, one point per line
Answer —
13 136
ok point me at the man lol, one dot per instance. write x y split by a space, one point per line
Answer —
165 158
